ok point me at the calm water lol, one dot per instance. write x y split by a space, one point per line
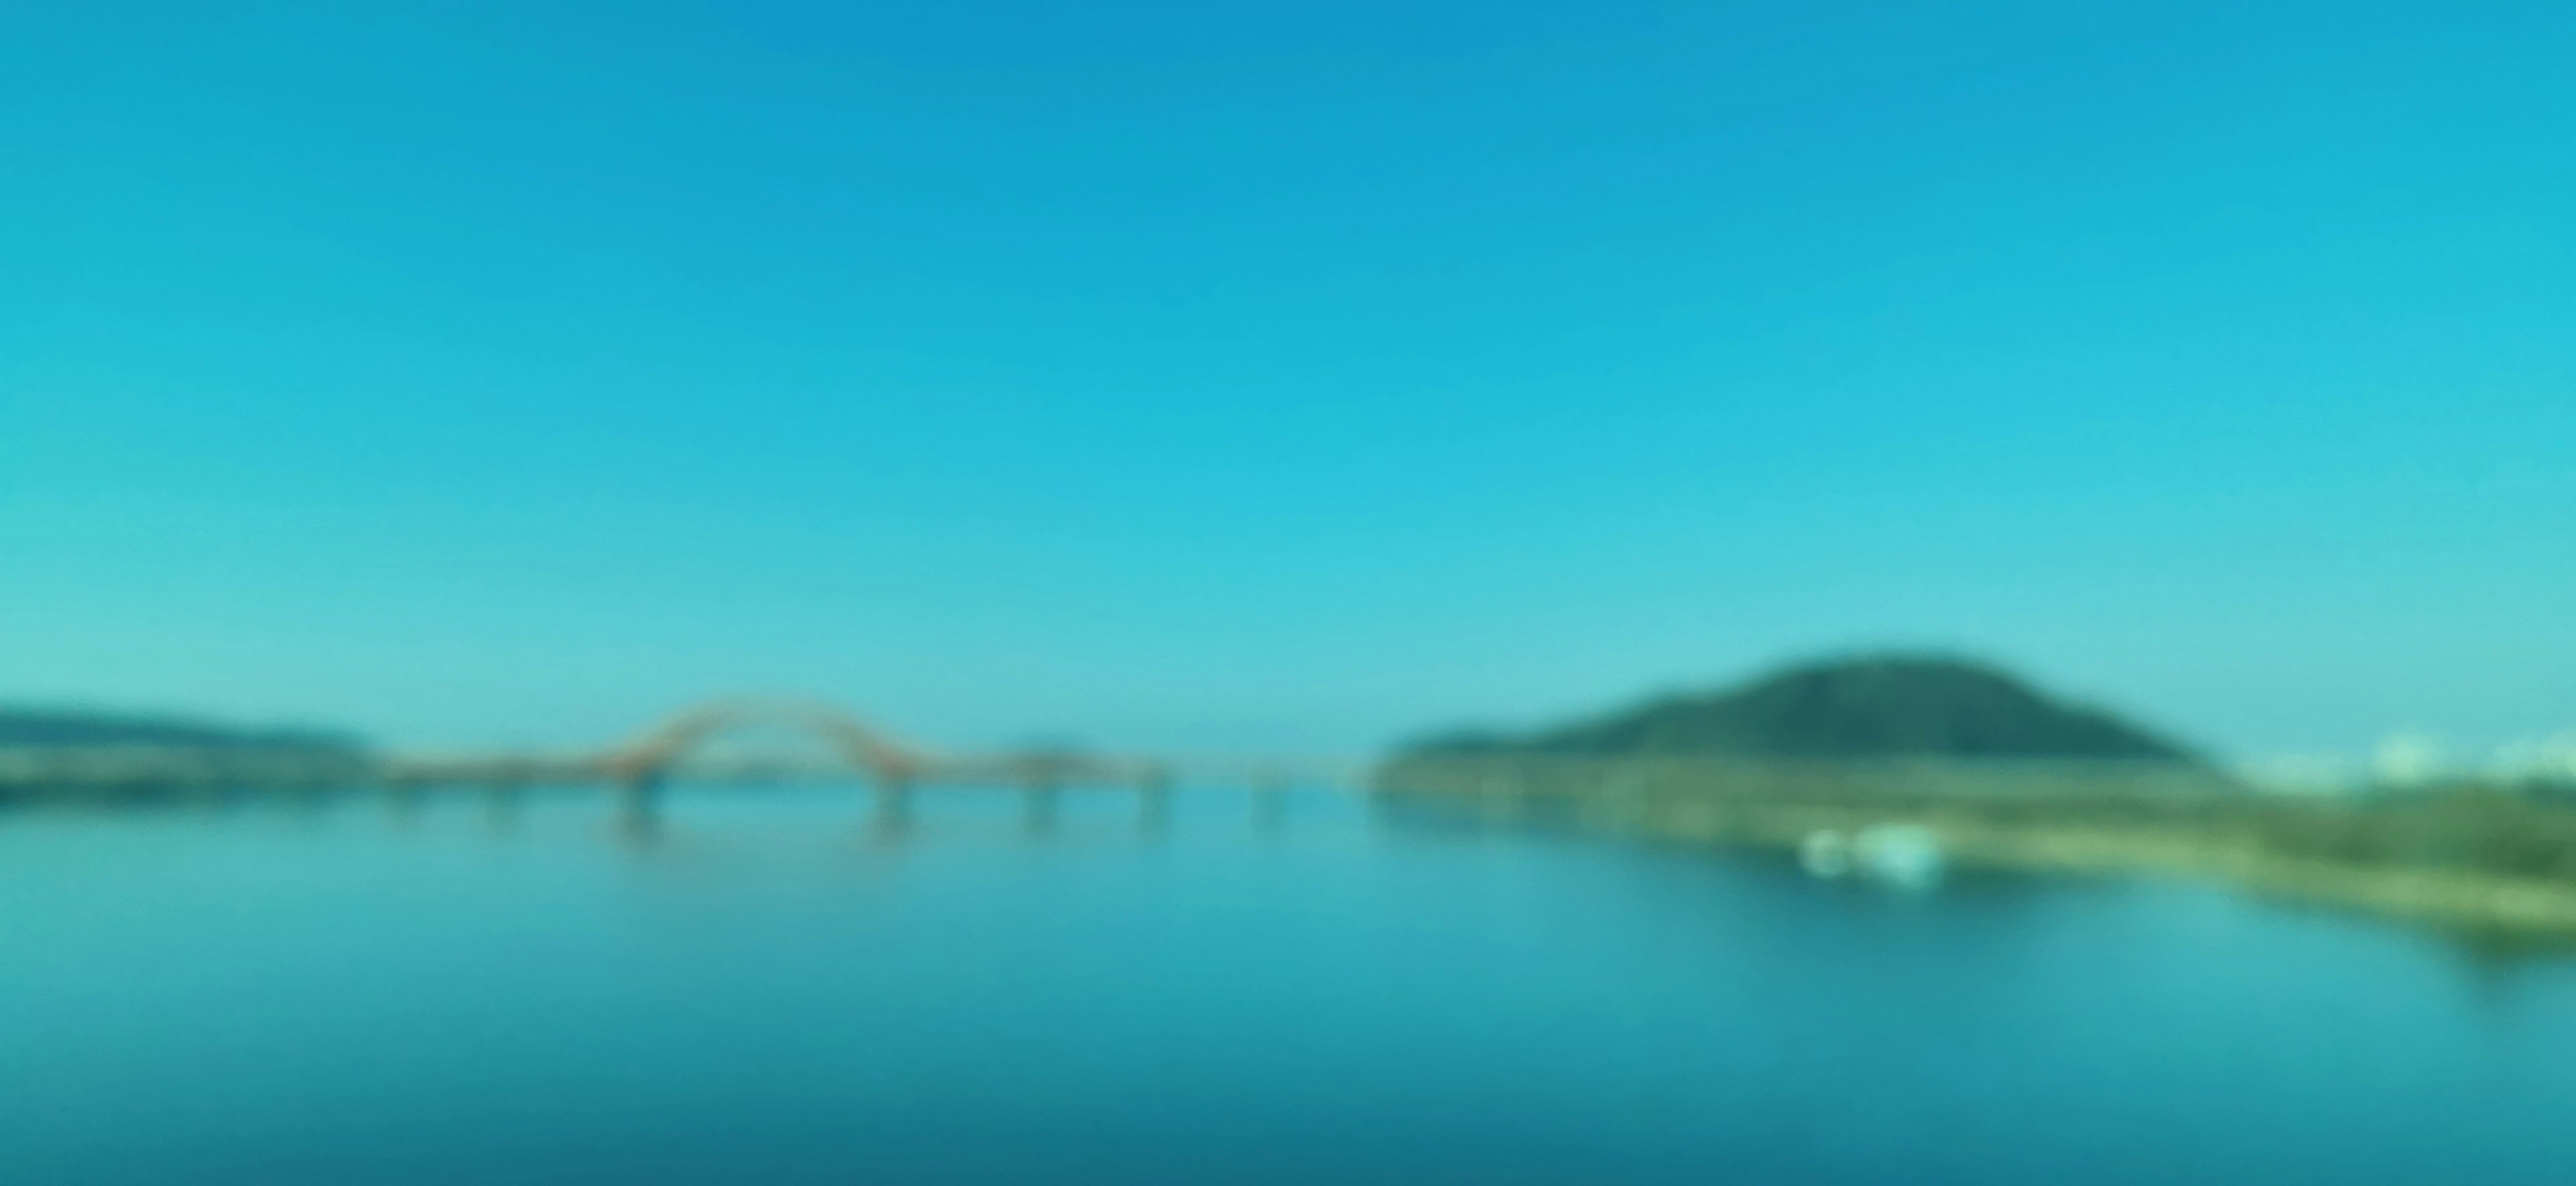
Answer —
774 993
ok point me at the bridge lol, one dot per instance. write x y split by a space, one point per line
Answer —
678 748
675 749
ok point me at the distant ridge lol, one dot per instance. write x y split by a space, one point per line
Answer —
1868 707
80 728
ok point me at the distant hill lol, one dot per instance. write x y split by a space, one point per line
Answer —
1883 706
71 727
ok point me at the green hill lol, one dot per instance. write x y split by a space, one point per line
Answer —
83 728
1883 706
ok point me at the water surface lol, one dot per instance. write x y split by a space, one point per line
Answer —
774 988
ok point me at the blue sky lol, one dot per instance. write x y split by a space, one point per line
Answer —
1284 377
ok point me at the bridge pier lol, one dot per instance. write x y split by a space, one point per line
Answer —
1041 806
502 802
403 804
640 808
1270 804
1154 804
893 808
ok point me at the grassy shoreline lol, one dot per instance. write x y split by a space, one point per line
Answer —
2468 859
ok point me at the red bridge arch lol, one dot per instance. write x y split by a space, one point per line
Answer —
651 754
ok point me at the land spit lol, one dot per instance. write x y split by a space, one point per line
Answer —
2493 863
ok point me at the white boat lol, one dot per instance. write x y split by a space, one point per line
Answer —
1903 855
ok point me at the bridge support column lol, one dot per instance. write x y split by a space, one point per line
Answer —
402 804
893 807
501 805
1270 804
640 808
1041 807
1154 804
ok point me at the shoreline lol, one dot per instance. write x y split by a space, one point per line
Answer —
2475 863
2454 899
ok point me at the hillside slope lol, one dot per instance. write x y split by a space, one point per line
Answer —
1880 706
81 728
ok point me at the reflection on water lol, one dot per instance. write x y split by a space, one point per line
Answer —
642 808
1140 986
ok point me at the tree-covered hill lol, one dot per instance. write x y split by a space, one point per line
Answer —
82 728
1880 706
